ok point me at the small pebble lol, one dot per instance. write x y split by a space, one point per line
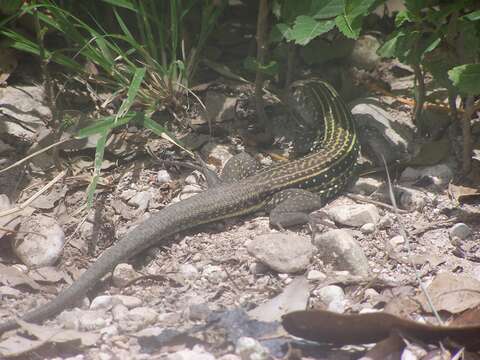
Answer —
188 271
461 231
396 241
163 177
249 348
315 275
368 228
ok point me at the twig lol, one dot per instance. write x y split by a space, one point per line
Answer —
34 154
467 135
403 232
34 197
378 203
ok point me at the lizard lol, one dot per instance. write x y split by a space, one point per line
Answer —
288 192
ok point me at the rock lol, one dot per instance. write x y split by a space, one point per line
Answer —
198 311
440 174
396 241
23 112
141 200
460 230
364 53
366 186
188 271
197 353
219 107
354 214
250 349
144 315
214 273
163 177
282 252
39 241
91 320
315 275
339 248
333 296
102 302
258 268
123 274
382 133
368 228
386 221
4 148
217 154
411 199
129 301
119 312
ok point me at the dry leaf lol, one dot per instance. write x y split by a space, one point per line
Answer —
59 335
11 276
16 345
328 327
452 293
462 193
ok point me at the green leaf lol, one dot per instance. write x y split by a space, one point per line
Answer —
127 4
327 9
307 28
132 92
99 152
345 27
281 30
402 17
103 124
270 69
466 78
473 16
161 131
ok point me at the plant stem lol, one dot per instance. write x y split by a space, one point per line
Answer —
262 22
467 135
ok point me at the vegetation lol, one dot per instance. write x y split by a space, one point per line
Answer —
146 52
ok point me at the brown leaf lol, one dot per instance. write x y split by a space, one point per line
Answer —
452 293
463 193
58 335
328 327
11 276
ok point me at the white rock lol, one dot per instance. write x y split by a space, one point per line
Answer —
214 273
141 200
461 231
282 252
197 353
315 275
354 214
333 296
119 312
368 228
144 314
39 241
339 248
366 186
188 271
129 301
250 349
91 320
123 274
440 174
163 177
102 302
396 241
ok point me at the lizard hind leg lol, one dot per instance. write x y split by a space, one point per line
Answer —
239 167
292 207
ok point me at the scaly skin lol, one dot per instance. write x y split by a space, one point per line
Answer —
326 172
